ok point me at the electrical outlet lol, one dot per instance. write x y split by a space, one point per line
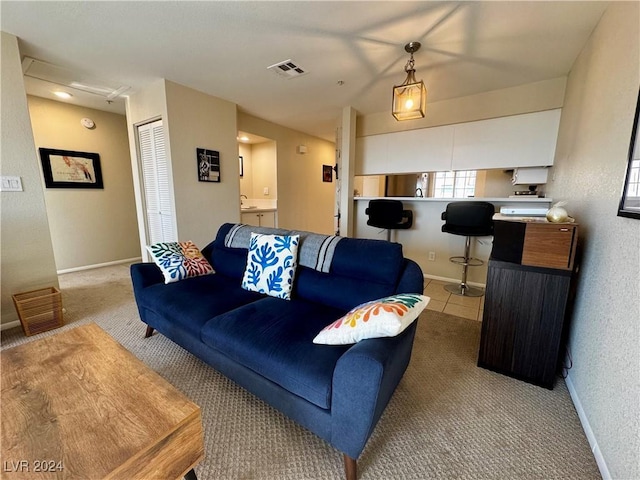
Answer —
432 256
265 191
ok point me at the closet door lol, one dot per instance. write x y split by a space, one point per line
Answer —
155 176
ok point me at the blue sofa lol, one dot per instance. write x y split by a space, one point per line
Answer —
265 344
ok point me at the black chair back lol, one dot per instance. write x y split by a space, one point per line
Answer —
471 219
389 214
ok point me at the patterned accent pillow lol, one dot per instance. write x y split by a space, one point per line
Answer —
179 260
386 317
271 264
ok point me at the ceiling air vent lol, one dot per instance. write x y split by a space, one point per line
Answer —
288 69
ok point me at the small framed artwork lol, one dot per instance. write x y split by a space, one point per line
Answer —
70 169
208 165
241 165
327 173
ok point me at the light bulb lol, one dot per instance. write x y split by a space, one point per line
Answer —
408 104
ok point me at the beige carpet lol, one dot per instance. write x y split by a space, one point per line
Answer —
448 419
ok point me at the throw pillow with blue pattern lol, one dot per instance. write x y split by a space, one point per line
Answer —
271 264
179 260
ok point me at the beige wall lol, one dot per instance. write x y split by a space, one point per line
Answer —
260 170
246 181
88 227
143 107
305 202
26 260
264 170
591 158
531 97
197 120
191 120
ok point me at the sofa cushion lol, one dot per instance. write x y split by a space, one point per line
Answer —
274 338
191 302
385 317
179 260
271 264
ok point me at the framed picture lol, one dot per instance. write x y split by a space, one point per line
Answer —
241 165
630 201
70 169
208 165
327 173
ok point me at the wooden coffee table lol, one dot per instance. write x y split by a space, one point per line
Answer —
79 405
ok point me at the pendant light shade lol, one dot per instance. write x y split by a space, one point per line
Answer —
410 98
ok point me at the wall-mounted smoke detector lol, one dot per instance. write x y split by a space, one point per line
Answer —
288 69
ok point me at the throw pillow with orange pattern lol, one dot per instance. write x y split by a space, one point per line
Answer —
179 260
385 317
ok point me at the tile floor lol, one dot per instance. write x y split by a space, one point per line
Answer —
443 301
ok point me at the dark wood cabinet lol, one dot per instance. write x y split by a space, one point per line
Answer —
525 306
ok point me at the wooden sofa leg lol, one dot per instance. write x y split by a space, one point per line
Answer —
149 332
350 468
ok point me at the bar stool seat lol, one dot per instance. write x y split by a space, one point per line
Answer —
388 214
468 219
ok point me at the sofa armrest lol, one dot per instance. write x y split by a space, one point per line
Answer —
145 274
364 380
411 279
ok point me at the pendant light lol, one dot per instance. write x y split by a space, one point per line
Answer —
410 98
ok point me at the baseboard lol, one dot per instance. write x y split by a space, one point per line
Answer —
99 265
593 443
8 325
453 280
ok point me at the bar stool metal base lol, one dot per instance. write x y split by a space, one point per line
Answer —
464 290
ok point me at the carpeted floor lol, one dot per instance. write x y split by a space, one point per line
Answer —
448 419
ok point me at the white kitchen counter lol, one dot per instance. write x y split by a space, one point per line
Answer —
257 210
426 236
519 199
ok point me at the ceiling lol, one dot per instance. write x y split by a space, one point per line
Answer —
353 51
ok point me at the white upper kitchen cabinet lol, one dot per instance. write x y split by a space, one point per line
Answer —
423 150
410 151
527 140
371 155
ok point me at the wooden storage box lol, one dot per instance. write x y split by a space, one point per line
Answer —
39 310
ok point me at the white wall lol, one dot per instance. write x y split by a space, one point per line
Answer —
26 260
88 226
531 97
589 170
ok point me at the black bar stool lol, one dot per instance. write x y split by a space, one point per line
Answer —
388 214
470 219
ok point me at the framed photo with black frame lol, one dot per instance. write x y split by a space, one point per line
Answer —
208 165
70 169
327 173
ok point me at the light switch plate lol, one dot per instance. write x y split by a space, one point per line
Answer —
265 191
10 184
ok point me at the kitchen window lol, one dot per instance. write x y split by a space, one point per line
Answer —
460 184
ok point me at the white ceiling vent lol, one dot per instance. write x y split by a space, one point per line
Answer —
288 69
62 76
